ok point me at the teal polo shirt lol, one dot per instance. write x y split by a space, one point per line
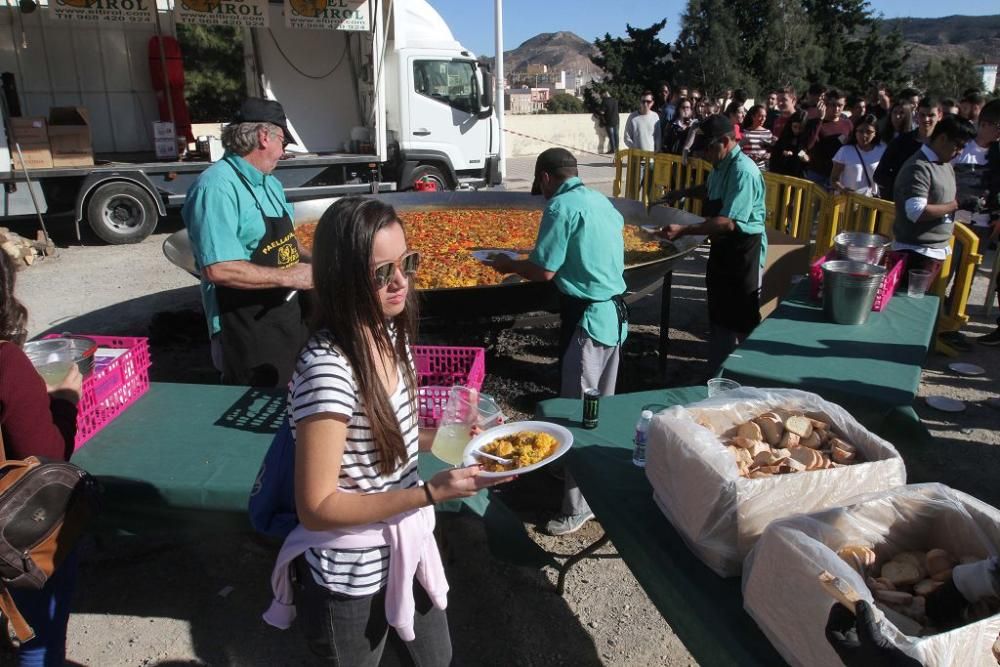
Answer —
580 240
223 220
737 181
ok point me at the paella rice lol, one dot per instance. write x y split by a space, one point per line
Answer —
524 448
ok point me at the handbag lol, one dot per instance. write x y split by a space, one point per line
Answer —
44 508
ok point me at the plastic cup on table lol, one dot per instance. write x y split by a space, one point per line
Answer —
919 281
718 386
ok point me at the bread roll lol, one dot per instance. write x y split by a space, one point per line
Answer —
799 425
901 573
749 430
939 560
917 558
771 427
789 440
814 441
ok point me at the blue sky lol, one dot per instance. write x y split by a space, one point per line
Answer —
472 20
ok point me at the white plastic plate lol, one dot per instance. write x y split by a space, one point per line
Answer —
945 404
963 368
560 433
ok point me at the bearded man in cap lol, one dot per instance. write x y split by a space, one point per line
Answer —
734 220
251 265
581 249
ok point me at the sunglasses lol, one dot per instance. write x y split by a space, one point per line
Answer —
384 273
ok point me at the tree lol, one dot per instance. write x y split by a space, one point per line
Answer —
214 84
708 53
781 44
949 77
564 103
632 64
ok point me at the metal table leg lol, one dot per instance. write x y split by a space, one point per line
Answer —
573 560
664 347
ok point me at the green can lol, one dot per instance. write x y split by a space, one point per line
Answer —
591 404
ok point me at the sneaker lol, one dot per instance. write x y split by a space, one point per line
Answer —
991 339
564 524
956 339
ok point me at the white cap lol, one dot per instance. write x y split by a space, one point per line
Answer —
647 414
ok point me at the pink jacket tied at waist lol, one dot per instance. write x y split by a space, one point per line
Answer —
412 551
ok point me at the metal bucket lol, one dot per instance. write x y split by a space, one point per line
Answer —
849 290
860 247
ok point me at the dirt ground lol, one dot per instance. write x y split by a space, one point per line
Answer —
198 601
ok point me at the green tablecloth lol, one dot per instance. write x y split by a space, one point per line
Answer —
879 361
185 456
705 610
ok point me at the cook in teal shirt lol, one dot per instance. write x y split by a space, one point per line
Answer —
224 221
737 182
580 240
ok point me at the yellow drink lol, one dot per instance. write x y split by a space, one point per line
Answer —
55 372
450 442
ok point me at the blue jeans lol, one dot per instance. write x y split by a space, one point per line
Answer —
47 612
353 631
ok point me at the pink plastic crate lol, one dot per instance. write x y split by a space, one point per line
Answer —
438 369
895 262
113 385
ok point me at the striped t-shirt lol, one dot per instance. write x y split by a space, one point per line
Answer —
324 383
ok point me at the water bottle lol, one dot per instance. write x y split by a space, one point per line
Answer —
641 434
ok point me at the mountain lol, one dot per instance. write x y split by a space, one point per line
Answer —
559 50
976 37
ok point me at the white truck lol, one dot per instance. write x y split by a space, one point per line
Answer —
373 110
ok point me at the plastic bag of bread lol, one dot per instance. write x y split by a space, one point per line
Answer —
782 594
702 488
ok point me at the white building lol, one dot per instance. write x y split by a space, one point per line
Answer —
989 74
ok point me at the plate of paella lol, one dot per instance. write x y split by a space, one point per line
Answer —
526 445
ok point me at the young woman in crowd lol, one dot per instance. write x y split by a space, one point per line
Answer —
678 130
757 139
736 113
788 155
36 420
364 562
898 121
855 163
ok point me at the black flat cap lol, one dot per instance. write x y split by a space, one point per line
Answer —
715 127
549 161
257 110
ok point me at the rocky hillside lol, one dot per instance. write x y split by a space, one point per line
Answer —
976 37
559 50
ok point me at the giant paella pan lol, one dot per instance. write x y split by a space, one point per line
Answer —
447 227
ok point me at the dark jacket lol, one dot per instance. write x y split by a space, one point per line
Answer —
609 111
897 153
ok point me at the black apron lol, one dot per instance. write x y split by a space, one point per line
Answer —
733 275
262 329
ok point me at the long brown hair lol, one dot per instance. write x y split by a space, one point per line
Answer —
13 315
347 305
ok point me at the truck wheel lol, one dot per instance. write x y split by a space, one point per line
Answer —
122 212
426 172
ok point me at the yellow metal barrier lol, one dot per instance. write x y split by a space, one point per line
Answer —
648 176
965 257
853 213
794 205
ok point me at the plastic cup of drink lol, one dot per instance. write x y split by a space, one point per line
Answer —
462 411
920 280
718 386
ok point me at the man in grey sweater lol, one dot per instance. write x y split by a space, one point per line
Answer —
925 197
642 129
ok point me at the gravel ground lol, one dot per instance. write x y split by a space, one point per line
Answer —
181 603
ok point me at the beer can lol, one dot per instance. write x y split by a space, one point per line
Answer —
591 403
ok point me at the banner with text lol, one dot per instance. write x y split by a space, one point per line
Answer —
327 14
243 13
104 11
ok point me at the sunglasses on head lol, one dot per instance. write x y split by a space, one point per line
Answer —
384 273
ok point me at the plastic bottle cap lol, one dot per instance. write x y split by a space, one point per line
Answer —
647 414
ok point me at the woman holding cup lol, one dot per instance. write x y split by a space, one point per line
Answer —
362 568
36 420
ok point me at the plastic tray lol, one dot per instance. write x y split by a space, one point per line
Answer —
438 369
114 384
895 262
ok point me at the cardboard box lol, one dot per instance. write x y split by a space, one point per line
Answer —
72 160
786 257
166 149
69 135
29 130
163 130
36 156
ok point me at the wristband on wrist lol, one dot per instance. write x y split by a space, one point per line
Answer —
427 492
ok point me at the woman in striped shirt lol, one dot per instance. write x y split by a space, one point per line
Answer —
353 411
757 139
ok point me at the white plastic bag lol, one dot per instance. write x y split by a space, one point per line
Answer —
720 514
782 594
